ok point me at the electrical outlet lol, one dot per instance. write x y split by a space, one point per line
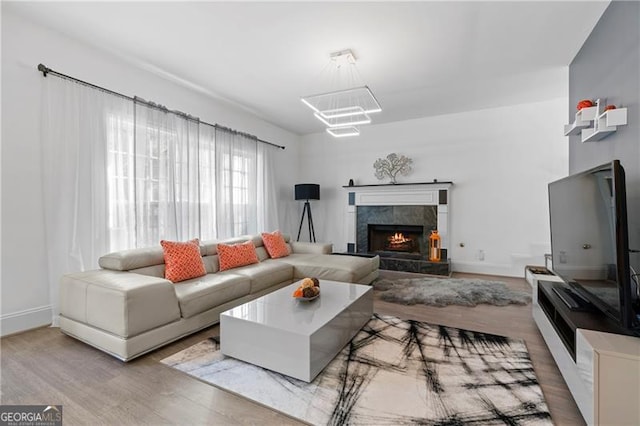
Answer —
563 257
481 255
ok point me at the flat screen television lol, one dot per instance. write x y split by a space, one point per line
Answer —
589 240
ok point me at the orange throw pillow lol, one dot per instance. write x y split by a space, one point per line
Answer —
275 244
233 256
182 260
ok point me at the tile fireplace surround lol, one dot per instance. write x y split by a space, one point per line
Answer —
423 204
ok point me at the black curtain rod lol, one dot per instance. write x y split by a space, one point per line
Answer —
45 70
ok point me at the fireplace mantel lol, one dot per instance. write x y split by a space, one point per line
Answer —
399 184
404 194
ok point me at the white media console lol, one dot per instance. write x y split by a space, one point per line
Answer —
601 369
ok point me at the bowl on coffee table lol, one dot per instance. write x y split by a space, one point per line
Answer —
309 289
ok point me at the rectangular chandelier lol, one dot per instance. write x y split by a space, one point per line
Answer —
343 110
343 101
344 120
341 132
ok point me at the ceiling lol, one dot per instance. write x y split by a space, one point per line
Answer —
419 58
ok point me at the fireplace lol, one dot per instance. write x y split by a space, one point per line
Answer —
375 224
405 215
400 236
394 238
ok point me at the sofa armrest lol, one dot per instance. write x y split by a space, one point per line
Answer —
311 248
122 303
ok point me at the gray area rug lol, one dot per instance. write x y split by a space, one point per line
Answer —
393 372
449 291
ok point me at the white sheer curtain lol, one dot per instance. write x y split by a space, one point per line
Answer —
208 215
167 202
236 188
119 174
267 201
75 139
121 179
238 194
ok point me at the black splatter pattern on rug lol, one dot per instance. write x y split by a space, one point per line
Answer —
393 372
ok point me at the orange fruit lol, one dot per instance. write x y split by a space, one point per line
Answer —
585 103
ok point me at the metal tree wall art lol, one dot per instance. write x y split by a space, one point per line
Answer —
391 166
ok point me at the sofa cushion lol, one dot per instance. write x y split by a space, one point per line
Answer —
125 260
275 244
310 248
201 294
330 267
152 271
236 255
265 274
211 247
182 260
121 303
262 254
211 264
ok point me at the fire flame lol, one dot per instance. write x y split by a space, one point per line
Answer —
398 238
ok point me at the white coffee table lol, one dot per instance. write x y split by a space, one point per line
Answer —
294 337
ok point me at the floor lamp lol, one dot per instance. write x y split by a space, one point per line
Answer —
307 191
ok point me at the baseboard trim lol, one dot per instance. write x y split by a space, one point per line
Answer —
485 268
28 319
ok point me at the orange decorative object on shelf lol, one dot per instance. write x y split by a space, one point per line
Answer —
585 103
608 107
435 246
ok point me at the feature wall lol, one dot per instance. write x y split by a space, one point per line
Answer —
608 67
25 289
500 161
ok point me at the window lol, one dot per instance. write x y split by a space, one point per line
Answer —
172 178
235 188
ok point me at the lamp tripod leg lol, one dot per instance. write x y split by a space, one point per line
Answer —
312 231
301 221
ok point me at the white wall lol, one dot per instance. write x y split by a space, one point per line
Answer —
500 161
25 292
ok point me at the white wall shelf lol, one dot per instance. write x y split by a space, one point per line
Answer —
584 117
593 124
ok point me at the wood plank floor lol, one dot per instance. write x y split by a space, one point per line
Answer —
44 366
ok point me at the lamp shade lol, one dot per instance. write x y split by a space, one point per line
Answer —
307 191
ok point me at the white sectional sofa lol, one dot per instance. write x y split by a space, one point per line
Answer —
128 308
